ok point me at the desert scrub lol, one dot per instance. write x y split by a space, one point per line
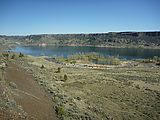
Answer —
13 56
21 55
58 70
60 111
73 61
65 77
55 100
42 66
13 85
6 55
137 86
3 104
158 63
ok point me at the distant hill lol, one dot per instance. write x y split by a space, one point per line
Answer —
118 39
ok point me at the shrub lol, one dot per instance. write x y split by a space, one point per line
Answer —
59 70
3 104
158 63
5 55
73 61
155 58
116 61
55 100
13 85
42 66
21 55
137 86
60 111
65 77
13 56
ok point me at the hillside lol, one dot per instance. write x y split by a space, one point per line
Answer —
118 39
21 98
88 92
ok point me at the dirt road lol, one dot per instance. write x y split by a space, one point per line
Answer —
30 95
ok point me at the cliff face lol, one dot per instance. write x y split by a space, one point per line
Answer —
153 34
96 39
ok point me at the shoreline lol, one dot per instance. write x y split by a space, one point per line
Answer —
99 46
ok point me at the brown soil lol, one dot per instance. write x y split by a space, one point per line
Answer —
31 96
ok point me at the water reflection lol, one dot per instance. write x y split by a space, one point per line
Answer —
127 53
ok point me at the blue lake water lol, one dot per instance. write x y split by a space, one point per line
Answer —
123 53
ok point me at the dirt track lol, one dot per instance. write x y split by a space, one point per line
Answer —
29 94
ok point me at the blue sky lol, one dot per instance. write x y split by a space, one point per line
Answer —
25 17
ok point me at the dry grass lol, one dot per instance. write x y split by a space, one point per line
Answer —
101 93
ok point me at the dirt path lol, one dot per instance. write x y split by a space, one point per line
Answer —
31 96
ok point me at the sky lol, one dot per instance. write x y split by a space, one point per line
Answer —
25 17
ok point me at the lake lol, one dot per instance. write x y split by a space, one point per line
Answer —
123 53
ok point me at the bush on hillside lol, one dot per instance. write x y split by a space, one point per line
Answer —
21 55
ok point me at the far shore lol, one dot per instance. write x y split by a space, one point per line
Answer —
101 46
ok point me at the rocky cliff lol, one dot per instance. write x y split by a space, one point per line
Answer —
120 39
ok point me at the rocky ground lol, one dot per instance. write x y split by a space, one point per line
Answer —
111 93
